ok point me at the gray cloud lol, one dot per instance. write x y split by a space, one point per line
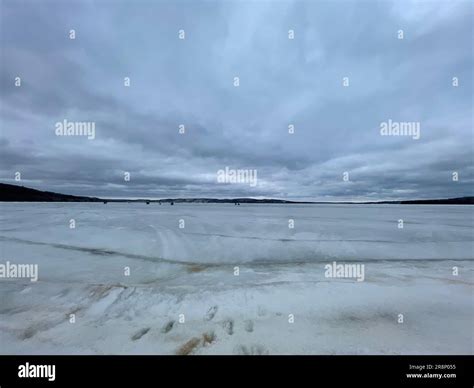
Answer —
282 82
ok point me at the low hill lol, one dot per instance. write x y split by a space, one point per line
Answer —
13 193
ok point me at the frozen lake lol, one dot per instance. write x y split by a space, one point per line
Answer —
225 279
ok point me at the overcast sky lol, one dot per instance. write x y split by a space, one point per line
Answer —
282 82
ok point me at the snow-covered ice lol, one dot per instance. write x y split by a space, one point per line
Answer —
190 273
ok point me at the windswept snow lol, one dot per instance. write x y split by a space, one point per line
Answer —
236 280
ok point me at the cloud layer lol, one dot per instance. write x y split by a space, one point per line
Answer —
283 82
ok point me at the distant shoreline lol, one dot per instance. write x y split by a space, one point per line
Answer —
14 193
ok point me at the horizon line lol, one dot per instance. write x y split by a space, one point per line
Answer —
233 198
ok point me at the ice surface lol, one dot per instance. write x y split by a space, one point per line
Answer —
190 273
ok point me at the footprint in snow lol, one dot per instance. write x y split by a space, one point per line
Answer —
228 326
167 327
211 313
248 325
140 333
